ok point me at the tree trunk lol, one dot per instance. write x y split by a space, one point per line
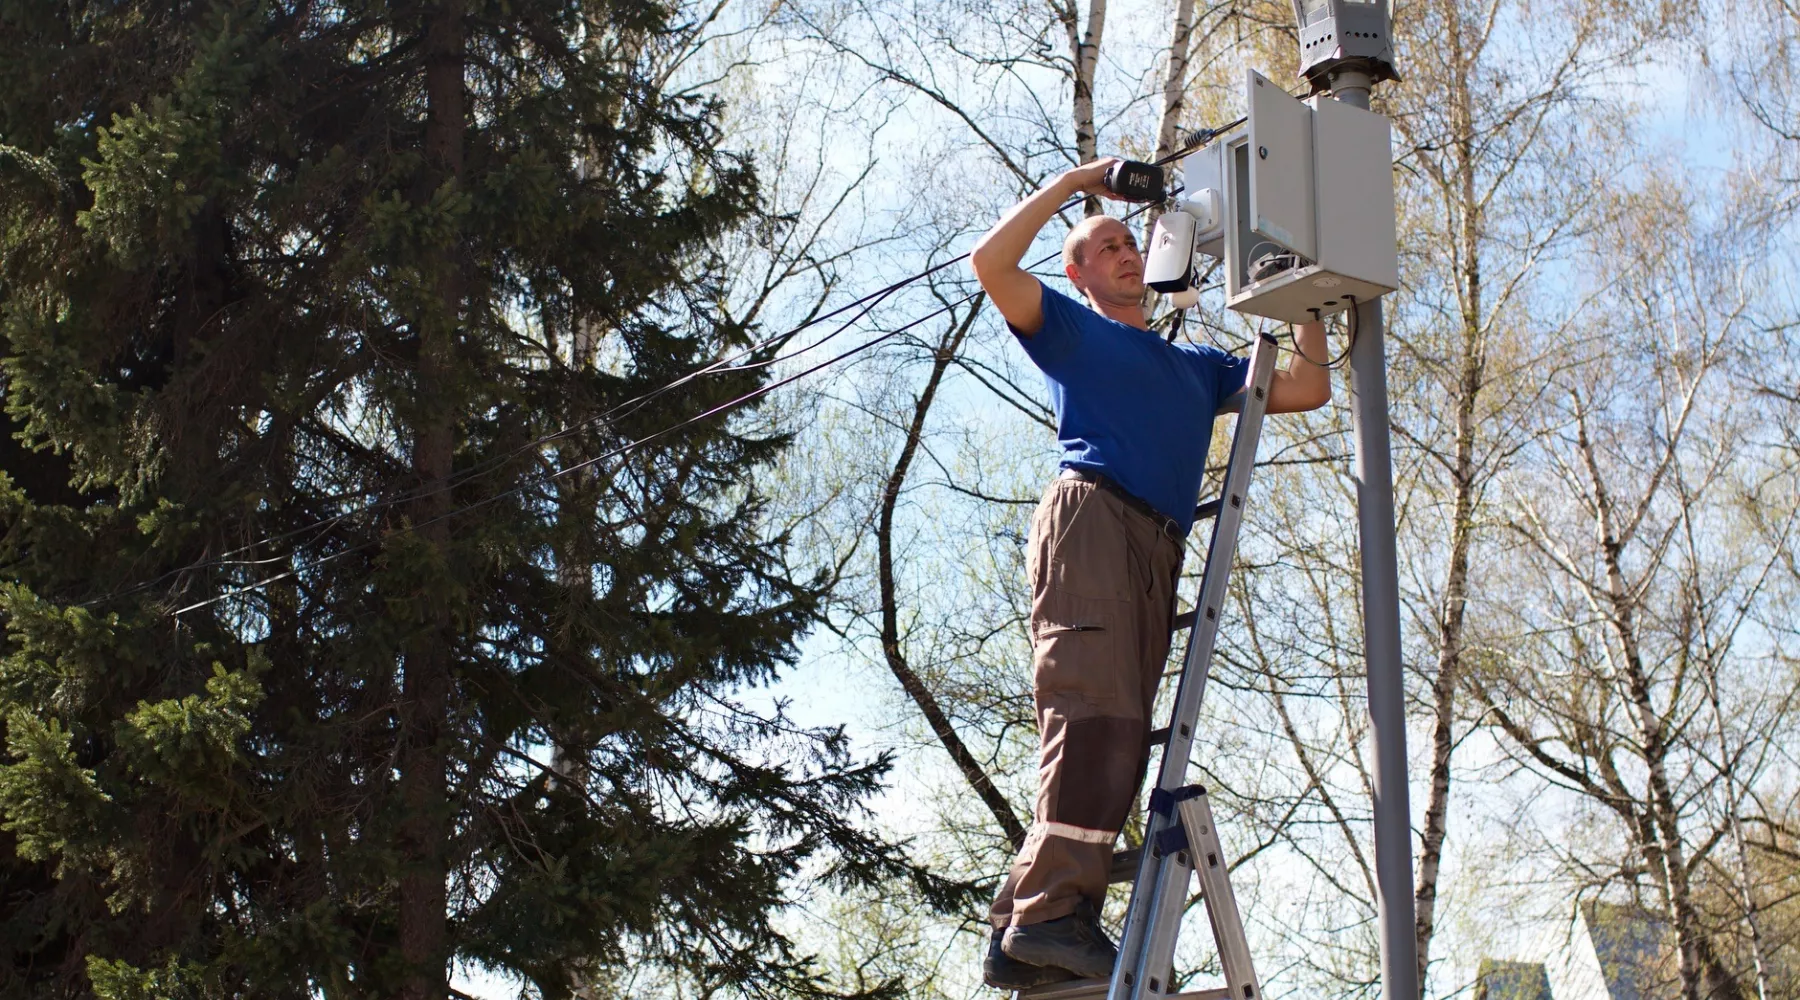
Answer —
1168 130
1084 52
425 693
909 679
1181 47
1703 975
1452 614
1449 661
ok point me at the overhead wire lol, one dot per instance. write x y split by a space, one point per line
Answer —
867 303
461 476
621 409
630 446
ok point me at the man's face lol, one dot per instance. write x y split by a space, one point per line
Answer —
1111 269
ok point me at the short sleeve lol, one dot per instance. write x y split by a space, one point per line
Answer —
1061 333
1233 372
1224 371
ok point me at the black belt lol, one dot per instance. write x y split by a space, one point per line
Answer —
1168 525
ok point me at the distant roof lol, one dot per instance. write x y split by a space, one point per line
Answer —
1635 948
1497 980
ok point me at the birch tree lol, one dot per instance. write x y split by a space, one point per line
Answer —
1650 593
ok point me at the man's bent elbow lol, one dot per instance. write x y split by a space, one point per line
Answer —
982 260
992 272
1314 396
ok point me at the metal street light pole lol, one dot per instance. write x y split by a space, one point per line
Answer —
1381 633
1346 48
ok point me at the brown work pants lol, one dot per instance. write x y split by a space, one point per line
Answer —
1102 594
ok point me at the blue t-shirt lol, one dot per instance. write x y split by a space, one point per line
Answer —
1129 405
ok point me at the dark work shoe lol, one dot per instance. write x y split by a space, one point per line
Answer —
1074 942
1002 971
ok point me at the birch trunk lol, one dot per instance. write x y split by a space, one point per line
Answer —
1703 976
1452 614
1084 52
1174 95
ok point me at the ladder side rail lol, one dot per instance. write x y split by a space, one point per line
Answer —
1161 885
1214 871
1156 973
1168 901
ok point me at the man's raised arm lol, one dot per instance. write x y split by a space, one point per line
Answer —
996 256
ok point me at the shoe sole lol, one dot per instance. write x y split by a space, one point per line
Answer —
1058 958
1033 984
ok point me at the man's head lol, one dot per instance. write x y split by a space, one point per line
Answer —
1101 258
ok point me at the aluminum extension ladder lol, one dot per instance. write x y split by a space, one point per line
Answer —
1180 838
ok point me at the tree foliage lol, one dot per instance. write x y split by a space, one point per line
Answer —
338 645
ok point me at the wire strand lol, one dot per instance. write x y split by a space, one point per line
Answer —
1333 364
614 453
867 302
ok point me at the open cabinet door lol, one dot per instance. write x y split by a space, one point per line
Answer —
1281 169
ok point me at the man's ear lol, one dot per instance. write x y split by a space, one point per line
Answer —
1074 277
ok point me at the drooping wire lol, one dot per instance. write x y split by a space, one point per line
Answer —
559 473
619 410
867 303
1333 364
623 449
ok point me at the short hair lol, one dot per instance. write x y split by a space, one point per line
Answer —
1075 244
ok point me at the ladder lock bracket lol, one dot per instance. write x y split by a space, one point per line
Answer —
1163 801
1171 840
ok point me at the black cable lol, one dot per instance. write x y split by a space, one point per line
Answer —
1200 137
623 409
621 450
1338 362
1194 139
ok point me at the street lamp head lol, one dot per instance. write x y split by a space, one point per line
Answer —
1339 35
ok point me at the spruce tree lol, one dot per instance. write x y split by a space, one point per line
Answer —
323 668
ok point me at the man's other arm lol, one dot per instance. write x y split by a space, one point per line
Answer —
996 256
1304 385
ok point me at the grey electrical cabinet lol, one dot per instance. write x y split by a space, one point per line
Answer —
1306 190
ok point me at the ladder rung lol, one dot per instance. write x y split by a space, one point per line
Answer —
1158 737
1087 989
1208 509
1074 989
1124 866
1185 620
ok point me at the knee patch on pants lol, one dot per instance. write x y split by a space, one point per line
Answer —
1093 776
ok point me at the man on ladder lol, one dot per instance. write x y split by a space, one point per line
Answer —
1134 418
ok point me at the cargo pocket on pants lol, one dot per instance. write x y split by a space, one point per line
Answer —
1074 656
